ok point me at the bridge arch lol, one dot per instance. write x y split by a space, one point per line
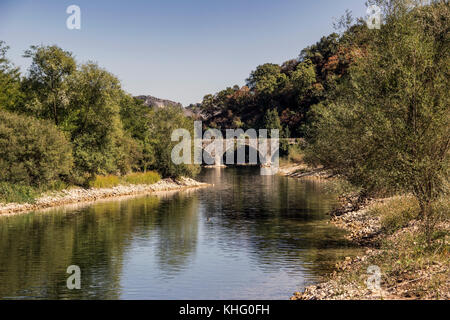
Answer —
244 152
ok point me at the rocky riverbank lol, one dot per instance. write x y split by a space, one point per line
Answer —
408 268
301 170
393 243
76 195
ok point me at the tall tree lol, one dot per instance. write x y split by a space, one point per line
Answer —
49 70
95 126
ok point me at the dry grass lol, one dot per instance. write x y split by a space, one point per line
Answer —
411 269
110 181
149 177
396 212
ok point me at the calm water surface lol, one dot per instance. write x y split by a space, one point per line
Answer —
248 237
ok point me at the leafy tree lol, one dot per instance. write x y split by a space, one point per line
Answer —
267 79
163 123
95 127
136 120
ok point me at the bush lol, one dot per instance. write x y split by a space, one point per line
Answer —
32 152
148 177
295 154
397 212
15 193
108 181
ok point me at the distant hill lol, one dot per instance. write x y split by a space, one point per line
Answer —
157 102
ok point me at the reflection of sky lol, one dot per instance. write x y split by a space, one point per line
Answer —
174 49
212 272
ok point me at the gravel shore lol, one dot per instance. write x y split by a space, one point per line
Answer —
76 195
418 278
408 270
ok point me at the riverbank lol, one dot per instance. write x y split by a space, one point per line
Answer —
76 195
394 243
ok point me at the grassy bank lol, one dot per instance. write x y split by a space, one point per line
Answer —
78 195
17 193
109 181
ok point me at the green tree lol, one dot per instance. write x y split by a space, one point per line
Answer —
46 82
136 119
95 125
163 123
267 79
303 78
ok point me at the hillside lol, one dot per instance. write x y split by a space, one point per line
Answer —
151 101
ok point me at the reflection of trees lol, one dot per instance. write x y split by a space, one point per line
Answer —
279 219
36 249
177 232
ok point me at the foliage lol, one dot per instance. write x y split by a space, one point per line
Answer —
95 126
163 123
396 213
292 87
149 177
16 193
388 127
9 81
108 181
272 121
136 119
295 154
32 152
46 86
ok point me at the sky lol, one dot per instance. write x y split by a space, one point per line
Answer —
173 49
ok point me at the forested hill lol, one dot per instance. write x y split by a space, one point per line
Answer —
291 88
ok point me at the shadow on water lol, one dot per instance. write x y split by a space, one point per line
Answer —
249 236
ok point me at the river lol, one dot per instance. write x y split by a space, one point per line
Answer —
247 237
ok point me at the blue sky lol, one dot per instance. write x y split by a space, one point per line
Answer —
173 49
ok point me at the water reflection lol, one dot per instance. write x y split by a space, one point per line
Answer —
249 236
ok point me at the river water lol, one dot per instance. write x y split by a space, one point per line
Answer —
247 237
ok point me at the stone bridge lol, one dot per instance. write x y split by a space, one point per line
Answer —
266 150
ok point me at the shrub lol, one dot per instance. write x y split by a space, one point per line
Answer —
108 181
32 152
295 154
15 193
148 177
